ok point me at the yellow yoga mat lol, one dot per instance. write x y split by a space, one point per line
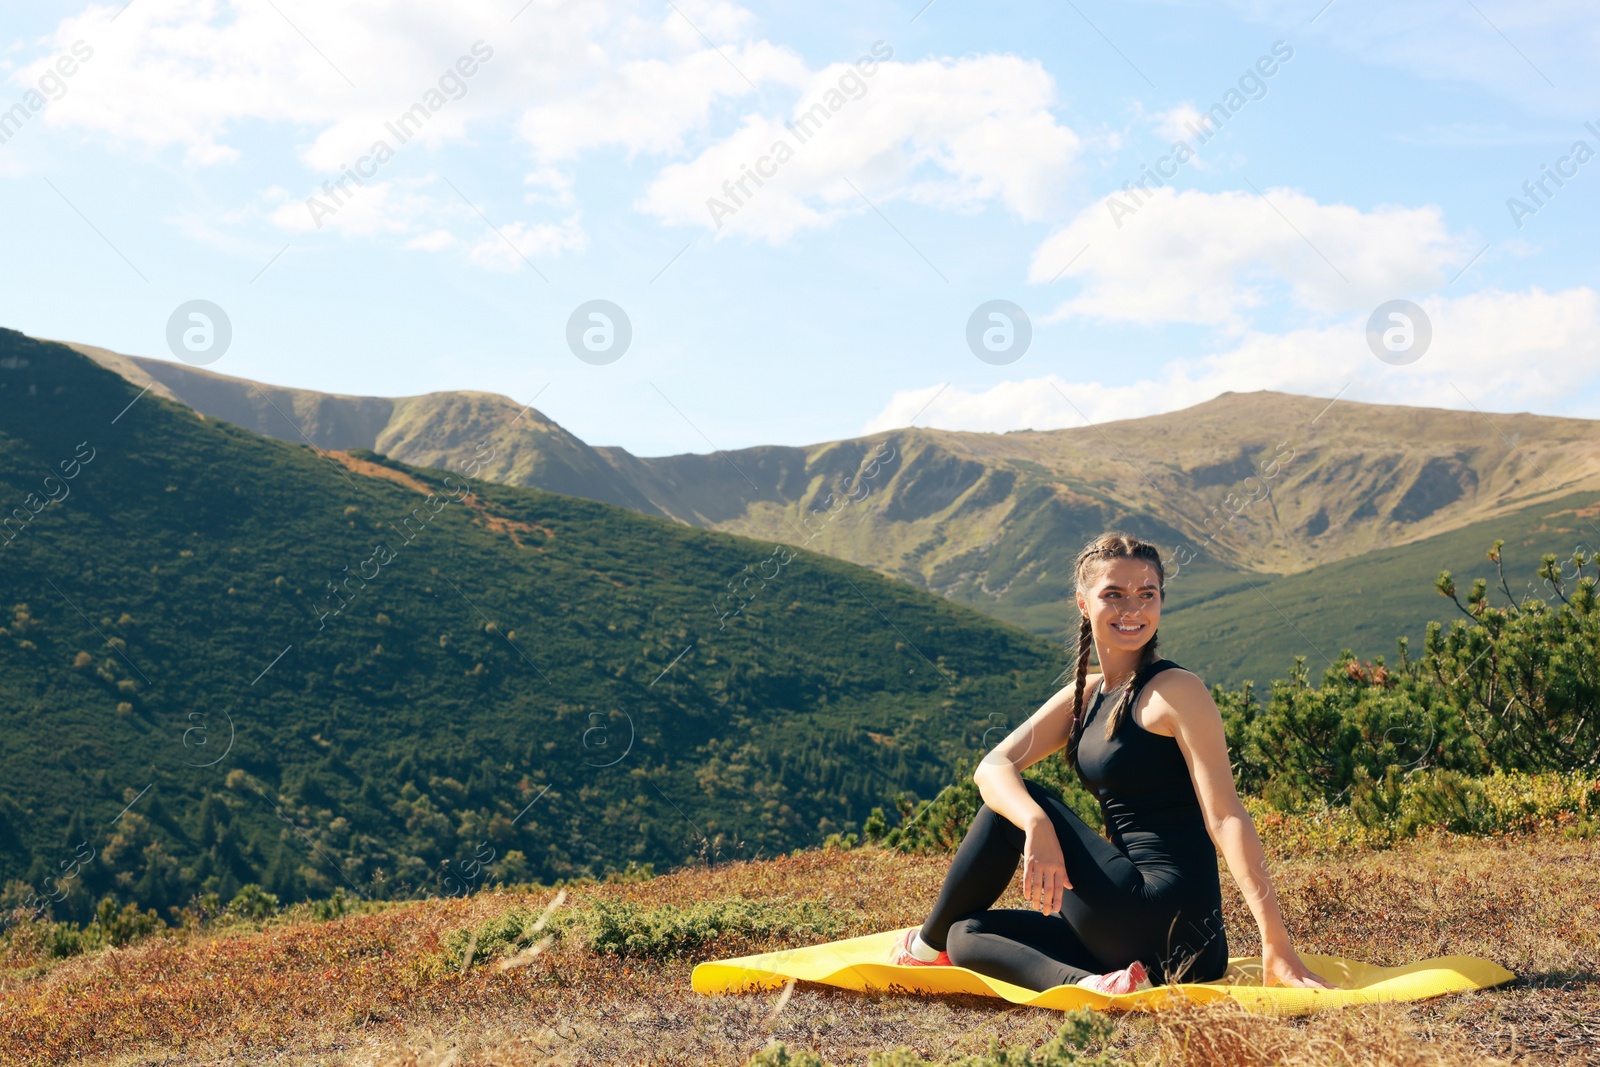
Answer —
858 963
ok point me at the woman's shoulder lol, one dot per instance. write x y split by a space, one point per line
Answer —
1168 694
1165 671
1172 690
1162 665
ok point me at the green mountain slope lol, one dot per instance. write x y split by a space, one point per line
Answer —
1364 604
1238 490
226 658
421 430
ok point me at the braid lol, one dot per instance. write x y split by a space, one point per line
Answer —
1085 642
1102 549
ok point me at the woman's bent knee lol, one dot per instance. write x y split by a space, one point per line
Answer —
960 938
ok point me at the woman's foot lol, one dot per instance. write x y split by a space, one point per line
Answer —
1131 979
902 956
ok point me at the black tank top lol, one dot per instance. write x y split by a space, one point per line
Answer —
1145 790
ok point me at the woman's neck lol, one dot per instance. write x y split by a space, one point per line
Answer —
1117 670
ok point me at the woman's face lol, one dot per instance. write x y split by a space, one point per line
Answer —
1123 604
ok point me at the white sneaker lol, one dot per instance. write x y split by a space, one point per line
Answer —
1131 979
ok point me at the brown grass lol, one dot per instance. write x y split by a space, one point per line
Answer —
370 989
498 523
378 470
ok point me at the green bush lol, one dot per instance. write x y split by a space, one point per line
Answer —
335 907
938 825
876 826
503 935
1524 678
660 933
777 1055
633 872
1398 806
32 940
667 931
252 903
37 939
1514 689
123 926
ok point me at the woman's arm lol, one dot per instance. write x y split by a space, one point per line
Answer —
999 778
1181 705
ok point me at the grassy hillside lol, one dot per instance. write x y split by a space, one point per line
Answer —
379 988
225 658
1242 632
1239 491
426 431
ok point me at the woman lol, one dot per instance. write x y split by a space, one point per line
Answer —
1145 906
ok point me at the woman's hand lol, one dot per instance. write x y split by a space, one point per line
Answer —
1044 871
1283 966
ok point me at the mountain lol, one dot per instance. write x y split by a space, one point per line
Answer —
1251 626
420 430
226 658
1242 491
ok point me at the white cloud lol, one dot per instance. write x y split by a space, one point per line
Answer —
953 134
1174 124
433 241
187 73
542 239
395 208
718 20
649 105
426 218
200 77
1213 258
379 81
191 73
1506 351
549 186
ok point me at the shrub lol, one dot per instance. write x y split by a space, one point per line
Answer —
121 927
876 826
34 939
668 931
336 906
1514 689
664 932
777 1054
633 872
253 903
938 825
1523 678
1398 806
31 940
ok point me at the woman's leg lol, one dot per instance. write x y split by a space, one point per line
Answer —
1103 879
1197 944
980 872
1025 948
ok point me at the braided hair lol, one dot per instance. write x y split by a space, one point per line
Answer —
1094 556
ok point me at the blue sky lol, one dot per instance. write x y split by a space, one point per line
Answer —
963 155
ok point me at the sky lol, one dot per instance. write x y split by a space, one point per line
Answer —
812 221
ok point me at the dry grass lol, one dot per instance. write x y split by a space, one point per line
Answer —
372 989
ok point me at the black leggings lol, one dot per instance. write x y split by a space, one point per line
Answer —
1113 915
